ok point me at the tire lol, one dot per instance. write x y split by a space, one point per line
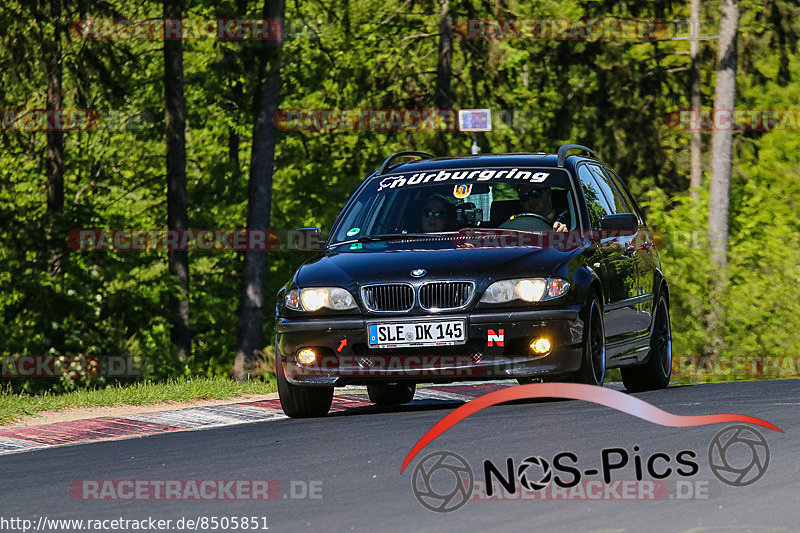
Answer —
302 401
657 368
593 362
391 393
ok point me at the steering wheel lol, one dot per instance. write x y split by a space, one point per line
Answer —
527 221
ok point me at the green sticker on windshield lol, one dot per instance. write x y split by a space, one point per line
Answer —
356 246
354 231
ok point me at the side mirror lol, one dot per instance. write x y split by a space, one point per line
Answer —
627 222
308 239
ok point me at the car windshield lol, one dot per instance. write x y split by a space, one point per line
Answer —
442 201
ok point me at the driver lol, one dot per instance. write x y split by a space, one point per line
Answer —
538 200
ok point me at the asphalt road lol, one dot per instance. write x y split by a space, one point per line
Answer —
357 457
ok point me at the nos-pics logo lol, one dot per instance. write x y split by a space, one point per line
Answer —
443 481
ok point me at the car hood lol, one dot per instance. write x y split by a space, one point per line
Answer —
355 265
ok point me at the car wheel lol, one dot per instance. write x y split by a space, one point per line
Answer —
391 393
657 369
302 401
593 363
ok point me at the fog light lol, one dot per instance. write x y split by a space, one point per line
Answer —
306 356
540 346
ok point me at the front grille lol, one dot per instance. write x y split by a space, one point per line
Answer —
445 294
389 297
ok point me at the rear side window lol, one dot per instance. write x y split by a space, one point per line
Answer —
596 201
619 204
617 181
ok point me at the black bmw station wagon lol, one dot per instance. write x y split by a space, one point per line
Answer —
504 266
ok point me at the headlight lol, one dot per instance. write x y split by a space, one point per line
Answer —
527 290
314 299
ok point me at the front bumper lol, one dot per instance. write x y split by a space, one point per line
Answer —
344 357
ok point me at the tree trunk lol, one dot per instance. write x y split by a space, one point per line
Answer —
55 138
54 161
55 142
724 102
444 73
237 93
236 96
177 210
696 142
262 159
444 66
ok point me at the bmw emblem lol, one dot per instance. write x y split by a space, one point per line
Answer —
418 272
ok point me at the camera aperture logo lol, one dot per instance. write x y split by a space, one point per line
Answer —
738 455
529 483
442 481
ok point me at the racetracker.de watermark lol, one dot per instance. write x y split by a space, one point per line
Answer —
52 366
606 240
167 29
744 366
74 119
194 489
707 120
401 366
597 490
335 120
152 240
206 240
332 120
576 29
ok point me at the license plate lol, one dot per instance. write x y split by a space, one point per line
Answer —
444 333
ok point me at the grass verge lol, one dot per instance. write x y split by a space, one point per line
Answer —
14 406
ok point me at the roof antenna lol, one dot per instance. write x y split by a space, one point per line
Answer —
475 148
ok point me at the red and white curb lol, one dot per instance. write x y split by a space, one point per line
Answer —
23 439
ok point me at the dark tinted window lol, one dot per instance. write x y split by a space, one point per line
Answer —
617 181
449 200
619 204
595 200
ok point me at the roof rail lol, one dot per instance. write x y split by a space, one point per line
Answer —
562 152
385 166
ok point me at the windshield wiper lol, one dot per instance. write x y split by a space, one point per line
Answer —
387 237
468 231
